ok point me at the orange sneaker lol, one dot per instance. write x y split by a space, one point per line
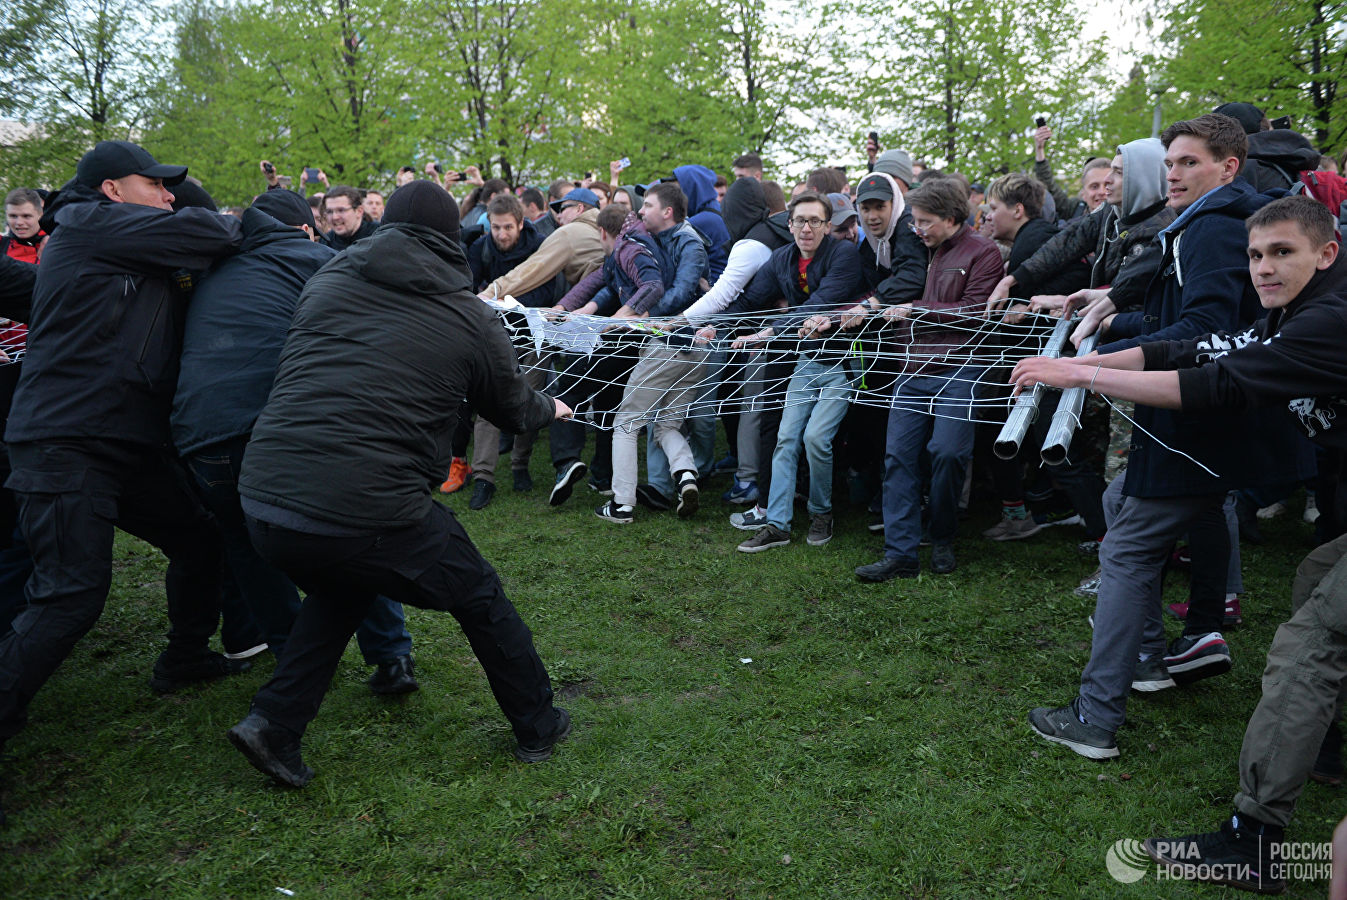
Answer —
459 470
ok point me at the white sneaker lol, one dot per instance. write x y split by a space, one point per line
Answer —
247 654
750 520
1311 510
1271 512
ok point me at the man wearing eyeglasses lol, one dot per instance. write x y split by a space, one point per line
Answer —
932 401
346 216
819 278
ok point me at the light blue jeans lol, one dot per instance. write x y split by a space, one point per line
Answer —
816 402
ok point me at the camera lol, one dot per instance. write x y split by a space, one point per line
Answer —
268 168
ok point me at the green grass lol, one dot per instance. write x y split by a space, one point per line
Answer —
876 745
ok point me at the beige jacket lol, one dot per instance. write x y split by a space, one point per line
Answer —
574 249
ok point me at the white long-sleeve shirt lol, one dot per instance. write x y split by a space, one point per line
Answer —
746 258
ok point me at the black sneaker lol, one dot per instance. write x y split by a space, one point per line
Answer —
647 496
1150 675
523 481
620 515
888 568
1063 726
567 477
1194 657
1239 855
688 497
173 676
1328 768
273 750
394 677
542 751
482 492
942 559
601 486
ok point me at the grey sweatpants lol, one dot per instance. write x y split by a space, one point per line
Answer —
1303 687
1141 532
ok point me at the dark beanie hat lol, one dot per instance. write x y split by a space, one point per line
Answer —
286 207
424 203
1247 115
189 193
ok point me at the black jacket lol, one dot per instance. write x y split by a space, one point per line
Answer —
339 243
1069 276
1293 356
1204 286
16 288
236 325
1276 158
106 324
905 278
488 263
387 343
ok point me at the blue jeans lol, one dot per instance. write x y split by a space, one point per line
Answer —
934 412
271 597
816 402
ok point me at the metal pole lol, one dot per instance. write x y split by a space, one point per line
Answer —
1067 417
1012 434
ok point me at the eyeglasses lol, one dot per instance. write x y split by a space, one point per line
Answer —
340 212
918 230
812 224
565 206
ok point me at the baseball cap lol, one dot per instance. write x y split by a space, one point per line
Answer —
843 211
117 159
577 195
874 187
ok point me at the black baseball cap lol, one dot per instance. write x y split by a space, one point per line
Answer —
117 159
874 187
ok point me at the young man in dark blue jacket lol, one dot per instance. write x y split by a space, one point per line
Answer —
818 277
1203 287
704 212
1291 359
510 239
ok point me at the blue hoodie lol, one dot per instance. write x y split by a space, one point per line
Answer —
699 184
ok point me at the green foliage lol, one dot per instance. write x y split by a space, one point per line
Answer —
79 71
1288 57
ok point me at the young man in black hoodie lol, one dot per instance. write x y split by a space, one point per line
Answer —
1014 208
395 315
1292 358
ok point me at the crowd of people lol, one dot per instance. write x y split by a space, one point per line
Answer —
180 372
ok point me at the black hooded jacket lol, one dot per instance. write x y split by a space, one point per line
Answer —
747 216
106 324
1276 159
1035 234
387 343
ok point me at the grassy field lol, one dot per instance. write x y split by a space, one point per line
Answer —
746 726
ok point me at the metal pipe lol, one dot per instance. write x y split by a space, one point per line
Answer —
1024 412
1067 418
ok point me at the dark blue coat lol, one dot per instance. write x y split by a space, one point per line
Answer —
236 326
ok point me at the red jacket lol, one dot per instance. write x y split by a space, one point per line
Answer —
959 278
14 335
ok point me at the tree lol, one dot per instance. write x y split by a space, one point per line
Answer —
966 79
79 71
1288 58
